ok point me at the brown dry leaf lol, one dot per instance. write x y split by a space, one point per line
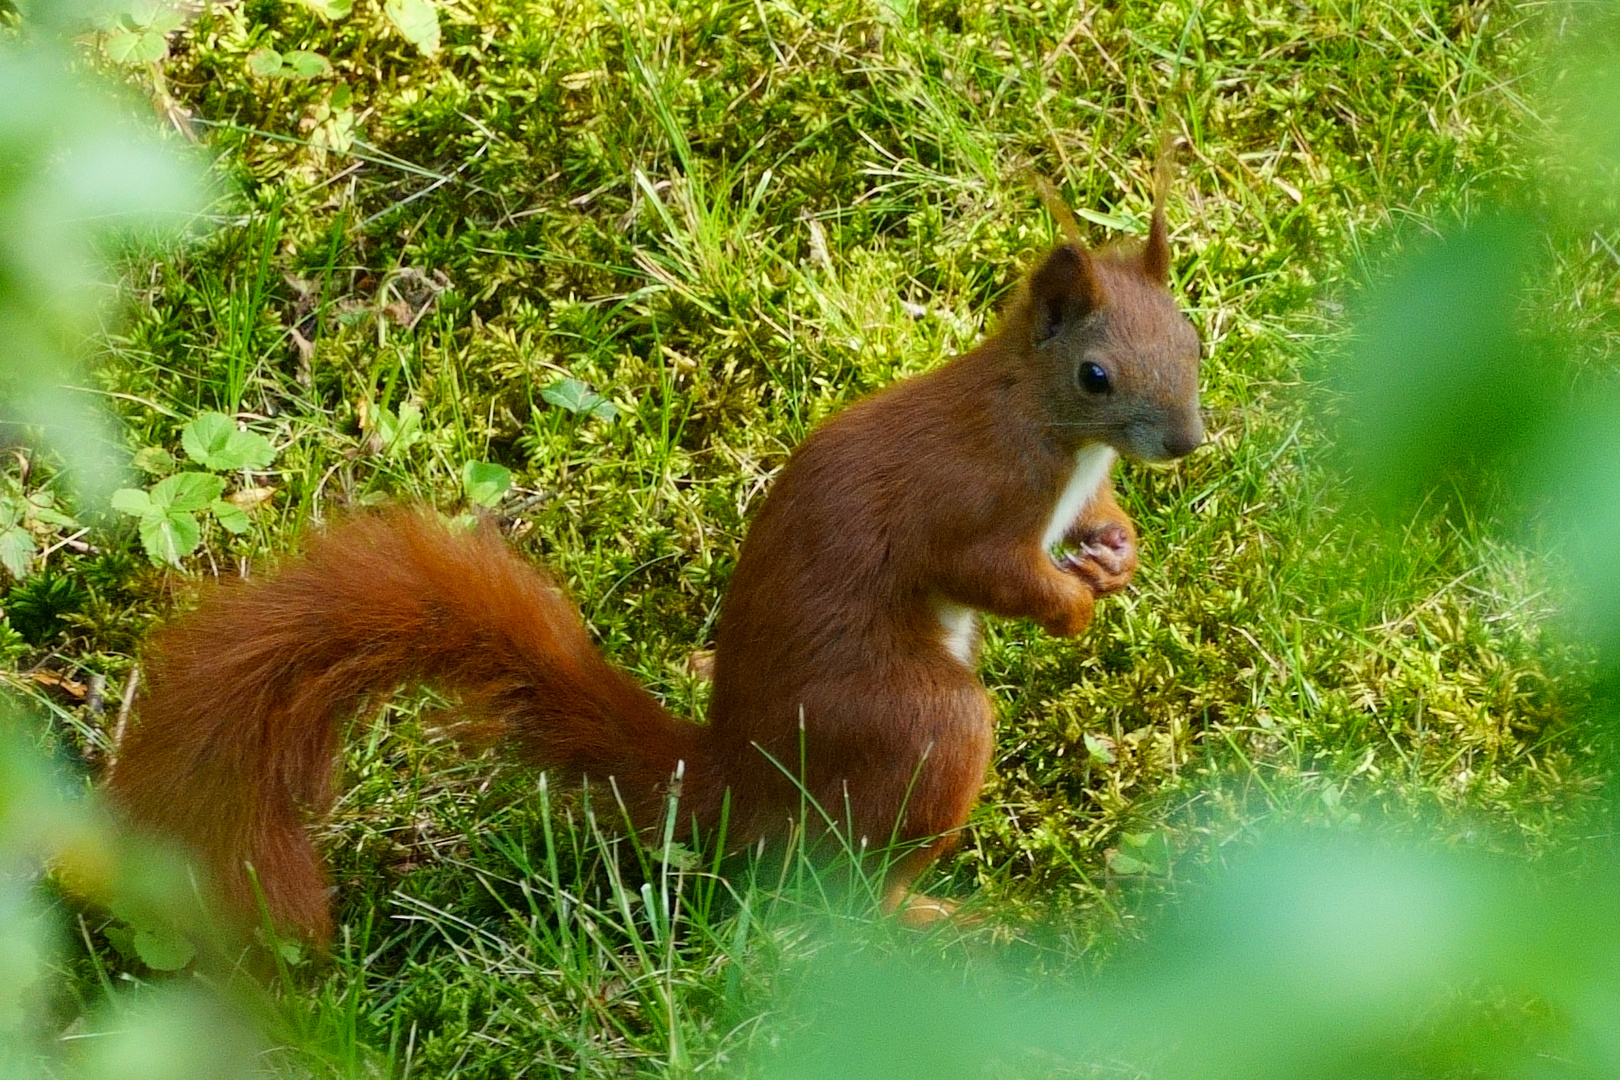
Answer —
304 351
52 680
250 499
399 313
701 663
415 291
303 323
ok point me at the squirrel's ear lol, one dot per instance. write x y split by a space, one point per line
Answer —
1156 256
1064 288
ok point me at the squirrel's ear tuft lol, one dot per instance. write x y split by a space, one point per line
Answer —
1156 256
1064 288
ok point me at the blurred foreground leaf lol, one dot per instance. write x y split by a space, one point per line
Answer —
417 21
1463 385
1307 960
76 173
1441 381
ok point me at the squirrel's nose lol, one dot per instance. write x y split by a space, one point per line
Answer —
1182 441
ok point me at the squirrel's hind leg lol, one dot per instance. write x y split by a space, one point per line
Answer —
933 811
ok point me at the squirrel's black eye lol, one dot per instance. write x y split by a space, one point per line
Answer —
1093 378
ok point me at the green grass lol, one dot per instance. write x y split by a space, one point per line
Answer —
731 219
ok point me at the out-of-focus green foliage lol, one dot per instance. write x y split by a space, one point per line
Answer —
182 1032
1304 960
1586 484
1465 380
74 173
1443 379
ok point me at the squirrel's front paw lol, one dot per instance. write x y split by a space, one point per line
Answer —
1070 624
1105 558
1071 609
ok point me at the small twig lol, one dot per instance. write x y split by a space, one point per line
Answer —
125 704
66 541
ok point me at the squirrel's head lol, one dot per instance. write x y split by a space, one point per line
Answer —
1117 359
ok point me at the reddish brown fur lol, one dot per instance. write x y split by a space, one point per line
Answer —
832 669
239 716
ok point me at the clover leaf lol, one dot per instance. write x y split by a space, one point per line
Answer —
213 441
485 482
576 397
167 513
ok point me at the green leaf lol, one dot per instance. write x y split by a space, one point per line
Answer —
399 432
121 939
576 397
251 449
17 550
330 9
213 440
417 20
232 518
186 491
1120 863
41 506
303 64
160 15
1099 749
678 856
154 460
136 46
265 63
163 950
1151 851
205 437
485 482
132 501
166 19
169 537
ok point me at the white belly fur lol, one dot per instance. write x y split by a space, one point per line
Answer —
961 627
1091 467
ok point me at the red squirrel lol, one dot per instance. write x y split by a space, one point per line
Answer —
844 666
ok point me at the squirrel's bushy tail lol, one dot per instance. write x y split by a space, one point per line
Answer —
238 725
